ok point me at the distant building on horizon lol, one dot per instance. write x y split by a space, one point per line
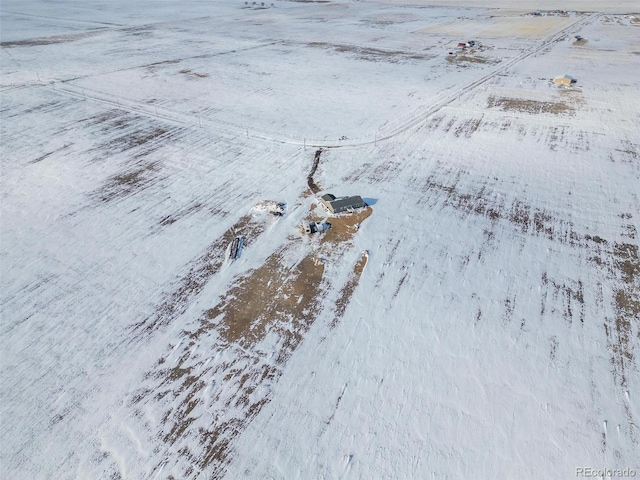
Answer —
564 80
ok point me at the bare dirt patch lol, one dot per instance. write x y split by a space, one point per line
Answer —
271 297
373 54
174 217
54 39
213 401
384 171
461 59
200 272
129 182
193 74
529 106
349 288
343 228
623 331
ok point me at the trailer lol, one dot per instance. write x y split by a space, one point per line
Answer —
315 227
236 248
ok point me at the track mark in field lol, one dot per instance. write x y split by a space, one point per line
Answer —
130 181
44 107
628 153
487 203
121 132
567 293
333 413
216 379
357 173
47 155
623 331
385 171
468 127
388 261
184 212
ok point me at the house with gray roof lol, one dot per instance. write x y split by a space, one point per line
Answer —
344 204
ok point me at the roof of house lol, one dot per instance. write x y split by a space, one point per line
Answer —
328 197
348 202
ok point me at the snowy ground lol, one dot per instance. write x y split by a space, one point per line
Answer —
491 329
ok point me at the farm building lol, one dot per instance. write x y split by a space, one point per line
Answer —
564 80
339 205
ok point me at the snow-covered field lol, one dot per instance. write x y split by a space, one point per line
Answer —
481 319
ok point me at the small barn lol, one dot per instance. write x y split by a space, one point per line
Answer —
344 204
564 80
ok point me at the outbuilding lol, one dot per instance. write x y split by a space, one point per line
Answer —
564 80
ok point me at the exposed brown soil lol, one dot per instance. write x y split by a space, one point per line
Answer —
349 288
34 42
199 273
461 59
627 302
569 294
280 300
194 74
468 127
174 217
373 54
619 261
529 106
129 182
384 171
267 297
343 227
